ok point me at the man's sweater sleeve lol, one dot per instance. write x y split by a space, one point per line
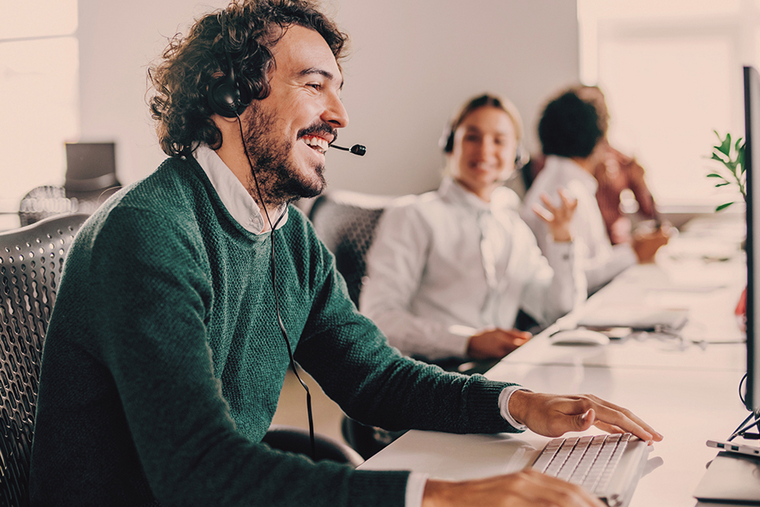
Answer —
351 360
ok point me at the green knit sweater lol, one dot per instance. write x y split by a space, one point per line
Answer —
163 362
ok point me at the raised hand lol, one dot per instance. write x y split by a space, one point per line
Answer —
557 218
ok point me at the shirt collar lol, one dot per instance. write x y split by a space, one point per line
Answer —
572 171
501 198
233 194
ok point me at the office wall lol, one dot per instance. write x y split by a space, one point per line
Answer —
410 65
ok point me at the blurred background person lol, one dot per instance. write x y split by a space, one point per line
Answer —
449 270
572 139
615 174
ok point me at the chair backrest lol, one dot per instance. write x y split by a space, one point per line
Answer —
293 439
49 200
43 202
345 221
31 260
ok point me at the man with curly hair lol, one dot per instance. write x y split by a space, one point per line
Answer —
572 139
188 294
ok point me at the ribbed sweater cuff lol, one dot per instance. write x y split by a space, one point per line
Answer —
483 405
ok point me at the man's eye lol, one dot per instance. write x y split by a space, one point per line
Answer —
316 86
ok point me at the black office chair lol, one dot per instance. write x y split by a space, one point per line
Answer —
345 221
292 439
31 259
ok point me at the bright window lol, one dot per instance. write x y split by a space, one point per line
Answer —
672 73
39 67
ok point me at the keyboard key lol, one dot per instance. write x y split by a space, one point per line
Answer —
547 455
574 458
559 458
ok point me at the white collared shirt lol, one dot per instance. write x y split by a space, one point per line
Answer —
233 194
430 286
601 260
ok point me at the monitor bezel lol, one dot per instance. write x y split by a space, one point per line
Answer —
752 135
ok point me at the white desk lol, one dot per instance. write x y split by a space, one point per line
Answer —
686 388
687 407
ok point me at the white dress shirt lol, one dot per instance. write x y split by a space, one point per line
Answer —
446 264
601 260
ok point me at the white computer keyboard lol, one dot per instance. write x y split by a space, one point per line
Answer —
607 466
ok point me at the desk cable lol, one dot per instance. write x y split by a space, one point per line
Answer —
752 420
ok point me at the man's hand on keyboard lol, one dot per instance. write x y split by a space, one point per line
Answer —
522 489
554 415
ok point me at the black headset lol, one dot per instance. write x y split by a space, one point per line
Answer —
224 95
447 144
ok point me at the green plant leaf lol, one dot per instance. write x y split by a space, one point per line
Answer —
731 156
719 157
725 146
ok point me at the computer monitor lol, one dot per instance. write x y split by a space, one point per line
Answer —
732 478
752 155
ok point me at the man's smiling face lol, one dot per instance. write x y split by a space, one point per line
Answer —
291 129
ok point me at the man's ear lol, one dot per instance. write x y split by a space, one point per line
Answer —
221 120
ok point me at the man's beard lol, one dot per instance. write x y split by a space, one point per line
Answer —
279 181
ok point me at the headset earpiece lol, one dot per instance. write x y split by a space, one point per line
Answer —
449 146
224 96
521 156
446 142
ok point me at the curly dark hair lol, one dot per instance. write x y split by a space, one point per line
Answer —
569 127
191 64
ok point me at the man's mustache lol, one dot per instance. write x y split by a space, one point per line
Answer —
319 128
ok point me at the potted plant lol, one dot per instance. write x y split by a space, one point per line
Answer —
732 171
